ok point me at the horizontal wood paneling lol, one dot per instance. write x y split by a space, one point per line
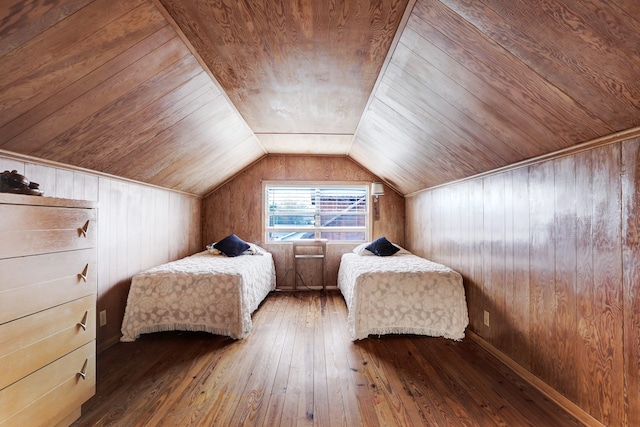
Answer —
237 207
472 86
20 25
138 227
89 36
590 72
419 92
110 86
554 262
83 98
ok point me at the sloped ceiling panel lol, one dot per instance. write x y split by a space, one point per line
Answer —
475 85
462 88
314 143
299 72
109 86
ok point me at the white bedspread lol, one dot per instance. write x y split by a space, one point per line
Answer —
203 292
402 294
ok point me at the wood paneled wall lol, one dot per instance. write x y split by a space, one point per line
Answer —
138 227
552 252
236 207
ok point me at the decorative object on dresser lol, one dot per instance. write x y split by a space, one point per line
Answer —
13 182
47 309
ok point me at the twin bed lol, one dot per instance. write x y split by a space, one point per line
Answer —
401 294
203 292
397 294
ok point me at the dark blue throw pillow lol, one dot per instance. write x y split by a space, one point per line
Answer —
382 247
231 245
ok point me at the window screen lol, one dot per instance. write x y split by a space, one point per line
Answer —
334 212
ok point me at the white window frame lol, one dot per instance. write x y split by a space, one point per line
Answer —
318 184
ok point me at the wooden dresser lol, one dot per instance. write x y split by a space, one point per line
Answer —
48 282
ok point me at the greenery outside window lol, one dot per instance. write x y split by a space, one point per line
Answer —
338 212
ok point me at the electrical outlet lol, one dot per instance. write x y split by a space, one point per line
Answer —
103 317
486 318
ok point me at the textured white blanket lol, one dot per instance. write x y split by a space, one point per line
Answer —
402 294
203 292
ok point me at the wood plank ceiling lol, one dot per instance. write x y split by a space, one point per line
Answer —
185 94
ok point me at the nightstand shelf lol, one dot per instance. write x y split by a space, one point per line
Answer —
314 249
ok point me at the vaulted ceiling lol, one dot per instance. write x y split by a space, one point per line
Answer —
184 94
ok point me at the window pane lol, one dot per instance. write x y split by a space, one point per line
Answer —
342 220
289 220
306 212
284 236
344 235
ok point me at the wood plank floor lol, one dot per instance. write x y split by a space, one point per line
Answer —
298 367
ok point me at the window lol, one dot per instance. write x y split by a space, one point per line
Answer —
316 211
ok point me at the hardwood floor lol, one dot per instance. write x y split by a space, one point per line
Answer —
298 367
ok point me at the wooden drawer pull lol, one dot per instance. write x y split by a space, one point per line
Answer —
83 324
83 275
83 231
83 371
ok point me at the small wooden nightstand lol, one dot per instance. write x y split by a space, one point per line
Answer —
319 253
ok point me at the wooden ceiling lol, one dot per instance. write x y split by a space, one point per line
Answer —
184 94
478 84
293 67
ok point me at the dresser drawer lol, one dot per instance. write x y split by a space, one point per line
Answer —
30 230
28 343
51 393
35 283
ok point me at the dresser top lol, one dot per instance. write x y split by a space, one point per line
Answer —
21 199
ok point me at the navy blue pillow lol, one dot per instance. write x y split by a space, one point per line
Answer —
382 247
231 245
